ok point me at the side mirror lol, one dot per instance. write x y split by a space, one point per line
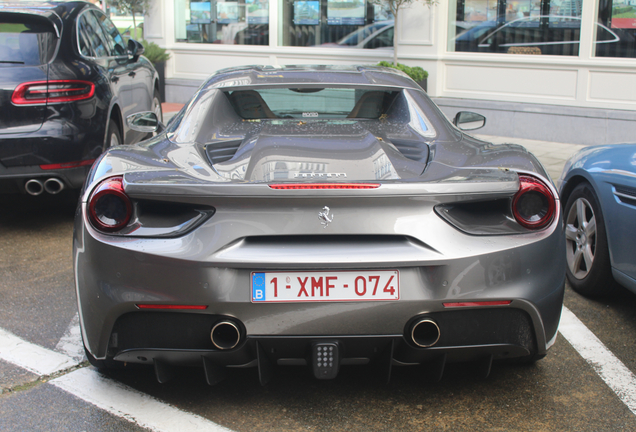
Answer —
466 120
135 49
145 121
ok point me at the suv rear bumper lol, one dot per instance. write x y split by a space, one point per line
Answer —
14 179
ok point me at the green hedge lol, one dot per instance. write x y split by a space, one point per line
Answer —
621 10
154 52
415 72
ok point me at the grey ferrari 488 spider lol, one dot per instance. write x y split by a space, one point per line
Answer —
320 216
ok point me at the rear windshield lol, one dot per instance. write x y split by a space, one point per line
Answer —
311 103
27 42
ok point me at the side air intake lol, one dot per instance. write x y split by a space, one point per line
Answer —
222 151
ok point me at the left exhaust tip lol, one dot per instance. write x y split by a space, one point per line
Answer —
34 187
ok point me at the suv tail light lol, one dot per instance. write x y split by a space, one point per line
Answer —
534 204
51 92
109 208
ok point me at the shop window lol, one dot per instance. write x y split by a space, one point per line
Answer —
243 22
615 34
548 27
336 23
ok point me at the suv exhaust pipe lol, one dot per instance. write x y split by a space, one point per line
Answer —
225 335
425 333
53 186
34 187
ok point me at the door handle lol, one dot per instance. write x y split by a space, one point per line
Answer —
114 80
132 74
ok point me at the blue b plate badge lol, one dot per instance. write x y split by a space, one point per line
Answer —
258 287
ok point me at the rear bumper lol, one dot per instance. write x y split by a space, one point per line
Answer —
61 141
13 180
212 266
112 278
474 335
184 338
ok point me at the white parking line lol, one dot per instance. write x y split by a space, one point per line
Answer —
146 411
89 385
122 401
31 357
71 342
615 374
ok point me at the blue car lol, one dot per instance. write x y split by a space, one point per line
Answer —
598 187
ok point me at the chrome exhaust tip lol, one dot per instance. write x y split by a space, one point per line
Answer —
53 185
34 187
425 333
225 335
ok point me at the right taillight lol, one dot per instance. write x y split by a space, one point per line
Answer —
109 208
533 206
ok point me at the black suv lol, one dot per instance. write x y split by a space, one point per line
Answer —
67 83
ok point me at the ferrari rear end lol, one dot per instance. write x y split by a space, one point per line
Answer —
264 237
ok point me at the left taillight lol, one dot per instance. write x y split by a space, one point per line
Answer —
109 208
533 206
52 92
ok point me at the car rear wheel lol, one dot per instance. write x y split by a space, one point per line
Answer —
588 271
99 364
113 137
104 365
156 106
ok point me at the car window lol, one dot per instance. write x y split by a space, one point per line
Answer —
111 32
95 35
310 103
545 34
381 40
359 35
26 42
84 39
605 35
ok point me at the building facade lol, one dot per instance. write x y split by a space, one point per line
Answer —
557 70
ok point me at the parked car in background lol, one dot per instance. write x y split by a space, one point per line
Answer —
598 189
67 82
541 34
319 216
371 36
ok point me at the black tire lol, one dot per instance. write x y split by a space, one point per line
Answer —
113 136
525 361
99 364
108 364
156 105
587 255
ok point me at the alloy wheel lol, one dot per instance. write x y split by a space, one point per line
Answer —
580 237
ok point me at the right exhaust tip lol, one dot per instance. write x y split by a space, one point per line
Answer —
53 186
425 333
225 335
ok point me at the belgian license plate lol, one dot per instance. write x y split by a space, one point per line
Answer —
345 285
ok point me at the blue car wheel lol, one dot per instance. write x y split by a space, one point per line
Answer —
588 270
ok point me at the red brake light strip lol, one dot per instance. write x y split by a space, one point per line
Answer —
171 306
288 186
64 165
478 303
